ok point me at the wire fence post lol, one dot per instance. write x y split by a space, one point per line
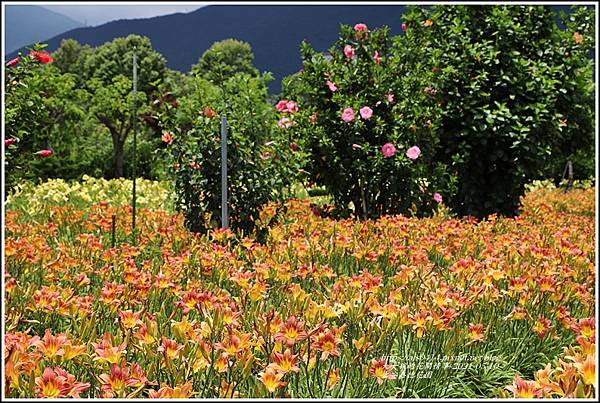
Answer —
224 212
134 173
568 171
113 230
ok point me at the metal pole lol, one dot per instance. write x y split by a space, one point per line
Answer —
113 228
224 216
133 201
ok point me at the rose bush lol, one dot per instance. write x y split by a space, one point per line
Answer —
360 114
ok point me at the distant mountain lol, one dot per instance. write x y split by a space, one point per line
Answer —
273 31
26 25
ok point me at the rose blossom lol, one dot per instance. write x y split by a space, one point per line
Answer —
291 107
413 152
360 27
284 123
167 138
44 153
42 57
331 86
13 62
388 150
348 115
366 112
361 31
349 51
10 141
437 197
376 57
281 105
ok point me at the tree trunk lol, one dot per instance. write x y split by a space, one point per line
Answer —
119 158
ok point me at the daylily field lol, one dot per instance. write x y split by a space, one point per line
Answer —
405 307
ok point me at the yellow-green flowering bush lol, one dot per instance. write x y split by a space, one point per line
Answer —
33 198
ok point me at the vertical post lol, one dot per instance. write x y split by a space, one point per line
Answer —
134 173
113 228
224 216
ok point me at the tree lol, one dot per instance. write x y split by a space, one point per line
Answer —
70 57
113 106
516 95
224 59
108 71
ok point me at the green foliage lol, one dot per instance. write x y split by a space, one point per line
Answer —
347 157
42 107
516 96
70 57
260 162
224 59
116 58
109 79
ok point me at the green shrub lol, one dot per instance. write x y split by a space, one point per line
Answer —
516 94
347 152
261 164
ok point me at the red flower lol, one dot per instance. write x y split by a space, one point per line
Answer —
42 57
10 141
167 138
209 112
293 146
44 153
13 62
403 27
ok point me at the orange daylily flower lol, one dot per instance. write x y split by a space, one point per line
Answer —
271 379
381 370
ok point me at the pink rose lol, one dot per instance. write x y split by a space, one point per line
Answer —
376 57
284 123
10 141
348 115
361 31
403 27
349 51
292 107
413 152
356 147
388 150
313 118
331 86
360 27
390 97
366 112
281 105
44 153
13 62
437 197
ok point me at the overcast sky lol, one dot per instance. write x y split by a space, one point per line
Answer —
92 14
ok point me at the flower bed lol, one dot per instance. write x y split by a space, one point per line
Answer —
434 307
